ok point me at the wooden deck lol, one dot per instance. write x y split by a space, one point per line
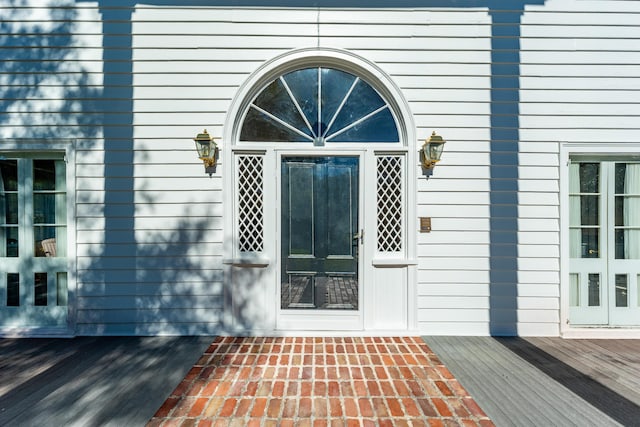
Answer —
122 380
547 381
91 381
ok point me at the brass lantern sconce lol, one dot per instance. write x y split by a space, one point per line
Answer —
207 151
431 151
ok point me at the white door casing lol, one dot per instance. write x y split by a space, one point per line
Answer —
263 300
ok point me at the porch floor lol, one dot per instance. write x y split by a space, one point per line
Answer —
124 381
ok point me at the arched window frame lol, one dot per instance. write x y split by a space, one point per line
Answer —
234 147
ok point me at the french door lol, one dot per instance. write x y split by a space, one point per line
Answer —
604 210
320 238
33 243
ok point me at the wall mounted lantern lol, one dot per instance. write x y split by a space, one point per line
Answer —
207 151
431 151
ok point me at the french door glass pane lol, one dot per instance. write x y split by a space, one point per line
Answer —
61 289
621 290
627 211
589 177
49 241
13 289
594 290
574 290
589 210
9 238
590 243
40 289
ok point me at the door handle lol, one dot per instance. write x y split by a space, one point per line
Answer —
359 236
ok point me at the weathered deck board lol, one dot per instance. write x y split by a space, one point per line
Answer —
547 381
91 381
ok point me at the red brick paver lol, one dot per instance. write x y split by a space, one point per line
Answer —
262 381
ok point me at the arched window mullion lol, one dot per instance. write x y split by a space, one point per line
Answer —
357 122
295 102
282 122
344 100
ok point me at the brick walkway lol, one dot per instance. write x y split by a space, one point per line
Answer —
289 381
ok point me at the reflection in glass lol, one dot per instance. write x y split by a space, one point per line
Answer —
589 210
621 290
13 289
9 235
627 210
574 290
260 127
335 88
8 208
590 243
62 295
40 289
589 177
594 290
49 208
276 100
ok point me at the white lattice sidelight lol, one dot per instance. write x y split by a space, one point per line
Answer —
250 203
389 203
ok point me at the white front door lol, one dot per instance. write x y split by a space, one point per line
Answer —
604 243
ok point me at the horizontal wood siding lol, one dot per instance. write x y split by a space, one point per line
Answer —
134 85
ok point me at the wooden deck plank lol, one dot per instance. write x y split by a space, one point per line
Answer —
541 388
91 380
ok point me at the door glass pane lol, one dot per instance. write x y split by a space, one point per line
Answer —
62 289
589 210
9 238
49 208
13 289
594 290
589 177
621 291
574 290
627 211
319 233
590 243
8 208
40 289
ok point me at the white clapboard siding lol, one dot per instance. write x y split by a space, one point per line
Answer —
149 221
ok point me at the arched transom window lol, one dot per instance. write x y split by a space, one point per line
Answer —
319 105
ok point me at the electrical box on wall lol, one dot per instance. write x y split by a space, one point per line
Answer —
425 224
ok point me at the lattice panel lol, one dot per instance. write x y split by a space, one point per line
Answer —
250 203
389 201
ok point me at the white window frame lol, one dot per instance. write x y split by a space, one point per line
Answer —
43 149
601 152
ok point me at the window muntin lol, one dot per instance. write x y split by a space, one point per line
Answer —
319 105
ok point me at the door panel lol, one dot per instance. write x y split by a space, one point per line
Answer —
319 233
